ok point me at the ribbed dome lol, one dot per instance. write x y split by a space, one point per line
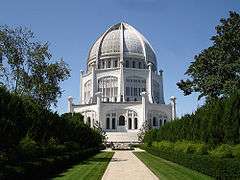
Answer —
122 38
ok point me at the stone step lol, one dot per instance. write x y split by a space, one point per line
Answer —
124 137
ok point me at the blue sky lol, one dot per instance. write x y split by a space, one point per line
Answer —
177 30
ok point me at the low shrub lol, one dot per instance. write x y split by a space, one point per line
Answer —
184 146
222 151
200 148
163 145
236 151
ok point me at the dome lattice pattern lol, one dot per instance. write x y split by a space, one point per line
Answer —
122 34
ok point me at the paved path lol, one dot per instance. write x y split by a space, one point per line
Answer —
126 166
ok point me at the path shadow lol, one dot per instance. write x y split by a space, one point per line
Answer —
83 162
117 160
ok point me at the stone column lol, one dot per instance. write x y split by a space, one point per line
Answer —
70 104
150 95
98 110
121 79
161 88
144 106
81 88
93 80
173 103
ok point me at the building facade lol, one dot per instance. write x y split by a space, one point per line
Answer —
122 89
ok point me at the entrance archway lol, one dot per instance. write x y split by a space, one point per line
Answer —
121 121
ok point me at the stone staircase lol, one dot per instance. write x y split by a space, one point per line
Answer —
122 137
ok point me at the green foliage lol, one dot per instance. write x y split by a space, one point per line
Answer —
222 151
215 71
164 145
217 122
26 67
182 146
28 148
29 132
219 168
236 151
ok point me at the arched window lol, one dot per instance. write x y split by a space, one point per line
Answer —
108 123
116 63
154 121
89 121
127 64
133 64
135 123
160 122
129 123
121 99
121 121
109 64
140 65
113 123
165 121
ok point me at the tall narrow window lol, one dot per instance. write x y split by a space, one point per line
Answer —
113 123
140 65
133 64
127 91
165 121
160 122
108 123
127 64
116 63
109 63
129 123
154 121
135 123
103 64
89 121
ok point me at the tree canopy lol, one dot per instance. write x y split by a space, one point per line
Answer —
27 68
215 72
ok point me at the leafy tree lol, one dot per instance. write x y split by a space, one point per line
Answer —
215 72
27 68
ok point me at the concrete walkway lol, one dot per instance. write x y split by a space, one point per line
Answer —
126 166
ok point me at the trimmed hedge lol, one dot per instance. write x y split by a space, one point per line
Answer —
44 167
217 122
220 168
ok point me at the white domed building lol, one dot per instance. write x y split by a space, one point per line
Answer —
122 89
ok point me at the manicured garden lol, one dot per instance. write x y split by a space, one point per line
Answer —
35 140
92 168
164 169
207 141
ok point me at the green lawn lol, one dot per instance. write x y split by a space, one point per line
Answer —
92 168
168 170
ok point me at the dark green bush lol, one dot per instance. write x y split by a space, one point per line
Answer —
220 168
28 148
29 132
217 122
236 151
